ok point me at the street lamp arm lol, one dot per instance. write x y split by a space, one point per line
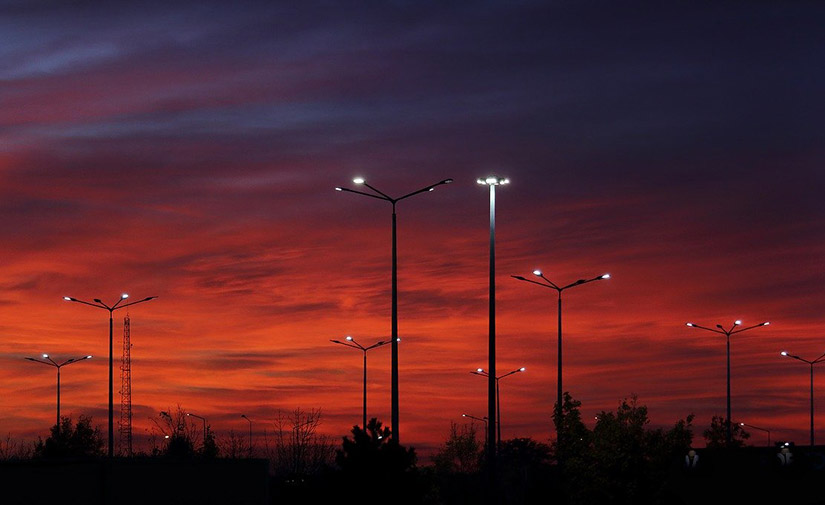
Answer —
100 305
363 193
347 344
819 359
422 190
585 281
750 327
74 360
134 303
41 361
511 373
377 344
520 278
694 325
483 374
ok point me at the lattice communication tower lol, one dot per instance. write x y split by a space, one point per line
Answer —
125 424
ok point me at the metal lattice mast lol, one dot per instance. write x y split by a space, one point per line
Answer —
125 424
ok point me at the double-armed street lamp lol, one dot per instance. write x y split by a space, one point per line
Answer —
250 433
111 308
760 429
376 193
204 427
727 333
350 342
481 372
811 363
58 366
547 283
491 182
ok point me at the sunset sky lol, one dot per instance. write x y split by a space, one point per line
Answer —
190 151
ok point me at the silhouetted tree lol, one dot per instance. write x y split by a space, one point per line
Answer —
626 462
524 471
461 453
11 450
209 449
389 466
235 446
716 434
297 450
78 441
177 433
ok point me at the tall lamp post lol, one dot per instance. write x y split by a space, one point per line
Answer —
350 342
250 433
111 308
204 427
492 182
547 283
811 363
760 429
58 366
481 372
376 193
727 333
483 420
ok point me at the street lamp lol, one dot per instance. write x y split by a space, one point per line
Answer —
492 182
481 372
117 305
376 193
547 283
350 342
483 420
811 363
204 427
727 334
760 429
58 366
250 434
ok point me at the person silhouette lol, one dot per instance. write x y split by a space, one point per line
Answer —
691 459
785 456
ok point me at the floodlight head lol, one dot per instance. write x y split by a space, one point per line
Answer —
349 338
766 323
737 322
537 272
358 180
784 353
493 181
479 370
339 189
690 324
605 276
522 369
124 296
97 300
88 357
45 355
68 298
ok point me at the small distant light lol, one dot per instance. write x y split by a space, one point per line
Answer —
166 436
124 296
787 444
358 180
737 322
537 272
741 424
398 339
491 180
505 181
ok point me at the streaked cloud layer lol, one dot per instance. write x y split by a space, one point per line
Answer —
191 152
